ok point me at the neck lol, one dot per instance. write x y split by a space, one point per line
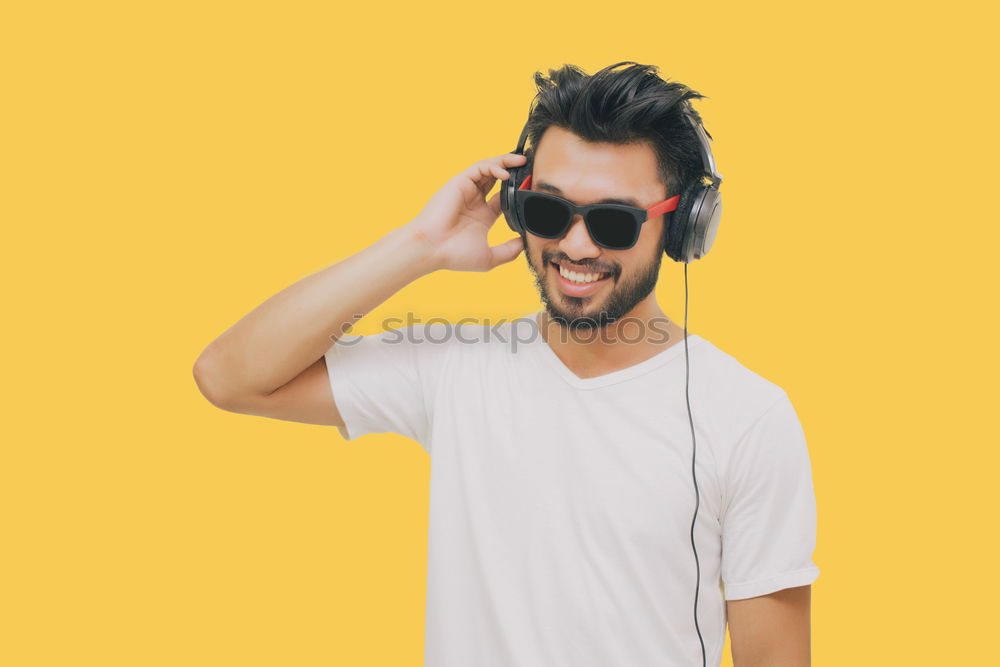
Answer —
641 334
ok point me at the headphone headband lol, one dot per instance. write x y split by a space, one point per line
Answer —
707 159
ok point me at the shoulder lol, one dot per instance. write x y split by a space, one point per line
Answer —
735 394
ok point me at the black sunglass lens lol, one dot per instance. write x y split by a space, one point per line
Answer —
545 217
612 227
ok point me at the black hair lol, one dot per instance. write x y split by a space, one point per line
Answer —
624 106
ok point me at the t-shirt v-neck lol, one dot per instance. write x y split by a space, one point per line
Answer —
614 377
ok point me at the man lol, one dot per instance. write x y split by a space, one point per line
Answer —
562 495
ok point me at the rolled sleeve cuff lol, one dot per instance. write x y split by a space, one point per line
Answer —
343 396
752 589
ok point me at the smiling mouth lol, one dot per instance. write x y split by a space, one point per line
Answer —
580 276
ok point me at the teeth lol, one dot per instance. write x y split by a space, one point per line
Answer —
580 277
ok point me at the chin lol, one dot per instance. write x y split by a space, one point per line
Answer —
576 312
578 306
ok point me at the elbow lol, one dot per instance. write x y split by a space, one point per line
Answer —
208 379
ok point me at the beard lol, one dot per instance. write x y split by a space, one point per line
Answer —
571 312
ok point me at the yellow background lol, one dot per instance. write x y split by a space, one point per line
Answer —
167 166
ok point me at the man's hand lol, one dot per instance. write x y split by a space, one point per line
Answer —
457 218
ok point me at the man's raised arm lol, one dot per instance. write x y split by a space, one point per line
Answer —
279 345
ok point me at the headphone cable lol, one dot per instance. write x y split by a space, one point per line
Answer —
697 497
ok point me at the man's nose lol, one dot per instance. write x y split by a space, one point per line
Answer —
577 243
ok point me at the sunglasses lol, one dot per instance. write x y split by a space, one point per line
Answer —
611 226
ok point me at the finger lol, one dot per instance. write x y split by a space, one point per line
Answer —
510 160
495 166
485 173
494 206
483 176
499 172
505 252
474 185
490 174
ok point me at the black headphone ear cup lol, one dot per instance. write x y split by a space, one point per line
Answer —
507 198
679 227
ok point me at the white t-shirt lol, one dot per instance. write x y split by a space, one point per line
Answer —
561 507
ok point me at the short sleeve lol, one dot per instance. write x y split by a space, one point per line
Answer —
385 383
769 521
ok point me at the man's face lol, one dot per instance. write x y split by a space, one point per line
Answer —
585 173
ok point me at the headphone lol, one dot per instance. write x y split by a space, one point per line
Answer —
691 228
690 236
